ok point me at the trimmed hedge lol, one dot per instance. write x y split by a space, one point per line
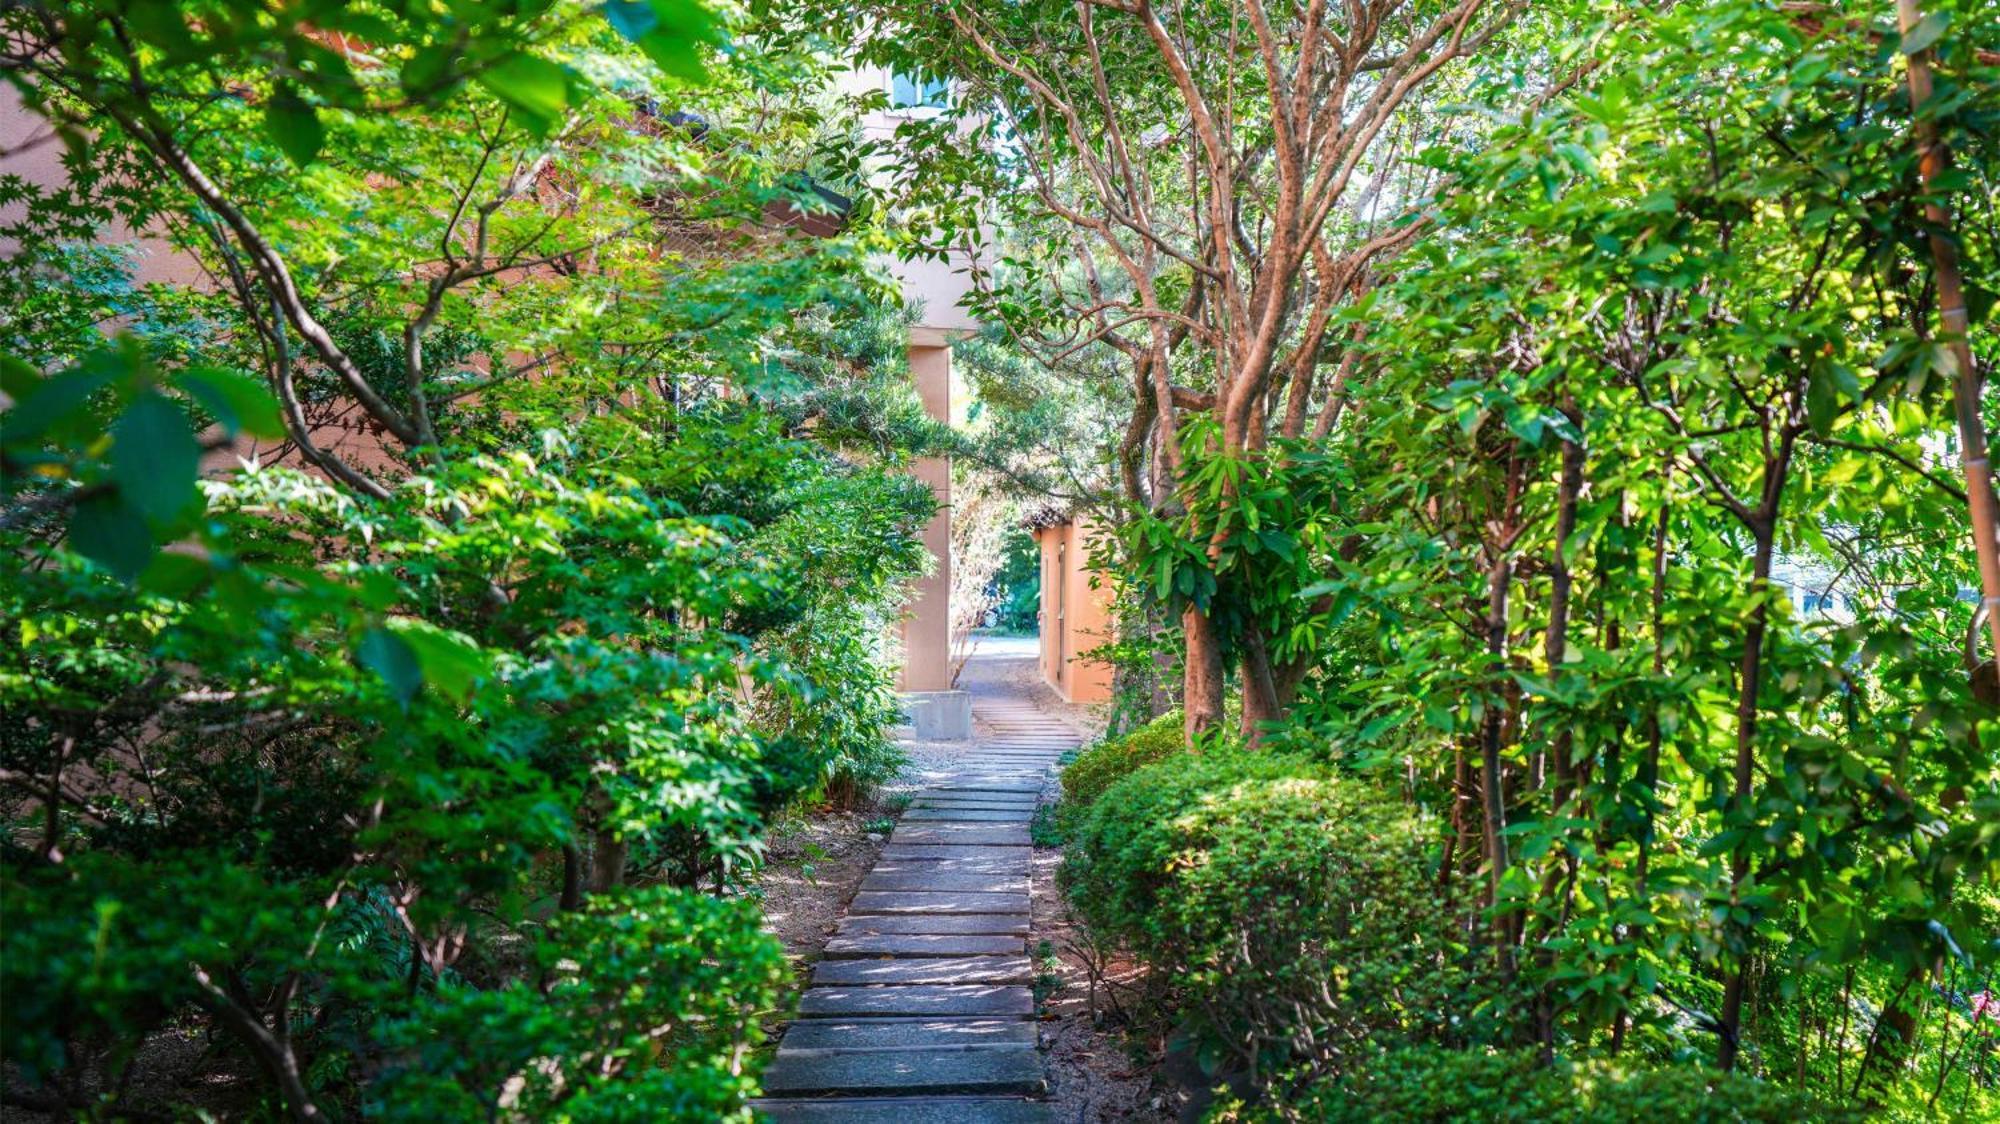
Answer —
1113 759
1443 1086
1292 911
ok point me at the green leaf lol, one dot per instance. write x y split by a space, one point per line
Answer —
18 377
239 402
1822 399
154 457
54 402
430 72
671 32
449 661
113 534
174 574
388 655
294 125
1928 31
535 88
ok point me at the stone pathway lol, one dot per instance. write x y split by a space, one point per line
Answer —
922 1010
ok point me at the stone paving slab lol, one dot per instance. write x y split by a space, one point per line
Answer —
935 924
1026 780
896 1034
932 970
999 835
972 860
988 1069
990 800
922 944
919 901
940 852
1006 786
919 1004
925 814
918 999
904 1110
1007 883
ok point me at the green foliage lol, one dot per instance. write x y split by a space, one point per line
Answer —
1293 913
618 1024
1107 762
1512 1087
421 761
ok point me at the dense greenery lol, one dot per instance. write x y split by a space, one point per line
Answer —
422 757
1587 488
1536 441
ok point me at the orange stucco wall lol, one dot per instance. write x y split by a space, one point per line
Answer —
1075 618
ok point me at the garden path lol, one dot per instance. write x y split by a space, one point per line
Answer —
922 1010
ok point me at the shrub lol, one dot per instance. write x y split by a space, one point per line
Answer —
1293 912
1113 759
1448 1086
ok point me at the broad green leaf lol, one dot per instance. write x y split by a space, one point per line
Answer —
1928 31
154 456
387 654
113 534
240 403
294 125
535 88
18 378
174 574
1822 398
449 661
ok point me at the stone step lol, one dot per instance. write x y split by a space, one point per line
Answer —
934 924
994 801
925 970
1014 788
918 852
921 944
898 1034
918 999
902 1110
919 901
998 773
946 881
919 813
986 1069
1008 861
995 835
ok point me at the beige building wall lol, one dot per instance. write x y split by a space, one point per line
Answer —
1075 617
926 627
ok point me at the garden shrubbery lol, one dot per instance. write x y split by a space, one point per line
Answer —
1106 763
1294 913
1474 1086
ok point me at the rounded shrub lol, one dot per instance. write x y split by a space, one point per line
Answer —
1113 759
1476 1086
1293 912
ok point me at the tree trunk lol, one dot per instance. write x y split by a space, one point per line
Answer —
1556 642
1261 701
1499 575
1201 692
1748 677
1932 157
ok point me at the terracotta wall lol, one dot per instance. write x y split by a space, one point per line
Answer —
1075 618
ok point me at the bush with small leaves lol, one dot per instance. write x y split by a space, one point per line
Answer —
1295 913
1476 1086
1106 763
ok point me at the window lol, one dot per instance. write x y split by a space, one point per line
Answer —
914 91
